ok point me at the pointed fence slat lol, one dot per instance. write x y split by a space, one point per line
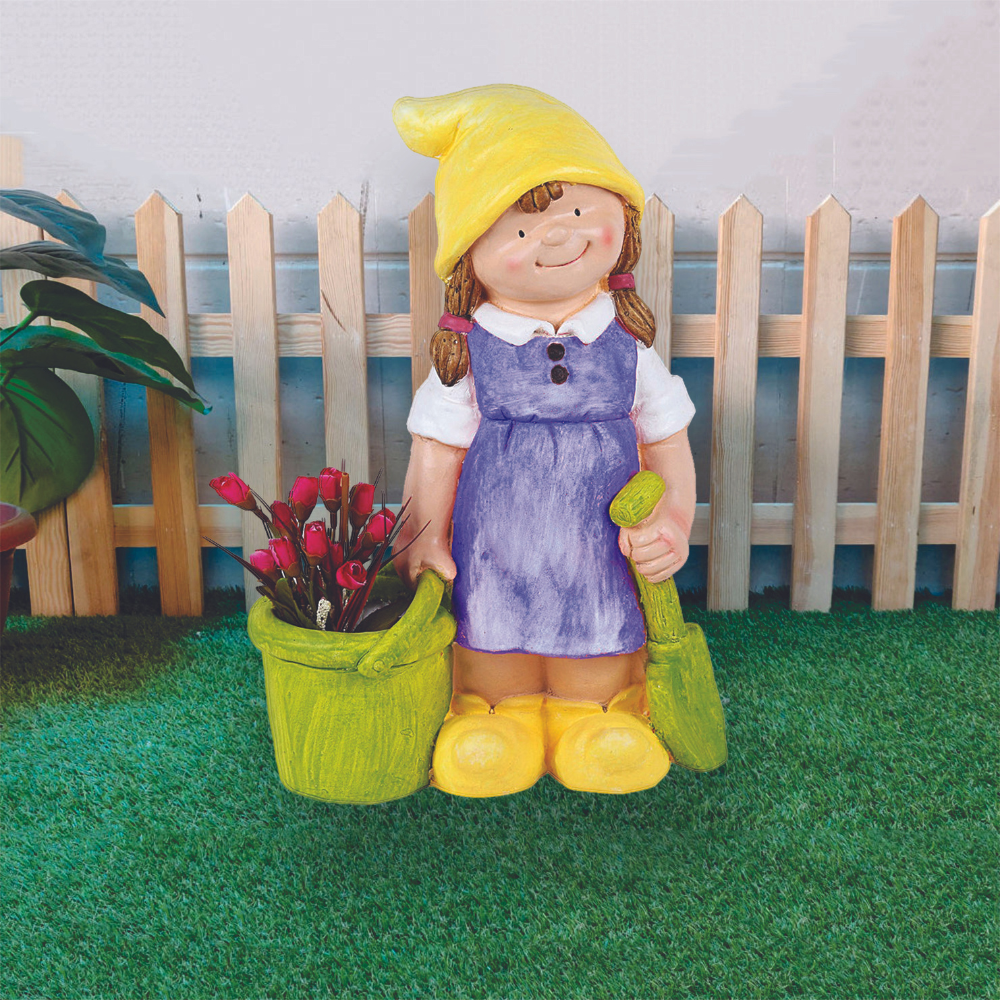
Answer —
50 584
426 289
255 362
11 162
733 405
904 404
821 376
160 244
654 274
90 523
345 354
978 546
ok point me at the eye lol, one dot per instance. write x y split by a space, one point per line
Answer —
520 233
576 211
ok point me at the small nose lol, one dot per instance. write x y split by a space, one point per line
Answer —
555 236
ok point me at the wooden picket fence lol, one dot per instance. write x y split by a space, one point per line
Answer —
71 565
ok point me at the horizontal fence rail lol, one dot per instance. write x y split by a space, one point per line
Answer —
300 336
77 539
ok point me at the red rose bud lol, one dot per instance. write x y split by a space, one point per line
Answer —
302 496
233 490
315 542
351 575
362 500
286 556
381 525
263 562
330 485
284 520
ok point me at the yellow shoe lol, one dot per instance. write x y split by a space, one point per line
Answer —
482 752
589 749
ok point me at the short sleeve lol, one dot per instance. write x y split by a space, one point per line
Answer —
662 405
446 413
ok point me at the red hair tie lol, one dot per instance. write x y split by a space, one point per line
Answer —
617 281
449 321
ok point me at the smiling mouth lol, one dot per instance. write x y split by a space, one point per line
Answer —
568 262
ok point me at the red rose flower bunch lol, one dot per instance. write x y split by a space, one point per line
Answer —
318 574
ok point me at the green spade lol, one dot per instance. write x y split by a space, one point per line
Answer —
684 704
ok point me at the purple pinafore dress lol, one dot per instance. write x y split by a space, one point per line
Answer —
539 568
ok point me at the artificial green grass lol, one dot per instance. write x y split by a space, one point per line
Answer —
848 849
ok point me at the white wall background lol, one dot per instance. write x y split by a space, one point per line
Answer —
873 101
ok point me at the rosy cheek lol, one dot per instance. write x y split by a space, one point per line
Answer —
607 236
512 265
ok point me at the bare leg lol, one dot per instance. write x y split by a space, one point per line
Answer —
595 678
614 751
639 660
495 676
480 753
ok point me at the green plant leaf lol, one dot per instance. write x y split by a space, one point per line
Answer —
46 439
60 261
385 618
50 347
71 225
122 333
284 598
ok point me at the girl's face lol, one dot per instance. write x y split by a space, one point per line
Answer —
552 255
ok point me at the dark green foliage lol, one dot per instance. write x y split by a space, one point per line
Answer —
115 331
75 227
48 448
50 347
82 256
848 848
46 441
58 261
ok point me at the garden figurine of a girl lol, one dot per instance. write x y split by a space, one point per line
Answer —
545 398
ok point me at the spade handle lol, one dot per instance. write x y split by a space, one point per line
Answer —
660 603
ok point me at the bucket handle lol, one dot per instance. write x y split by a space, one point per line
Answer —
392 647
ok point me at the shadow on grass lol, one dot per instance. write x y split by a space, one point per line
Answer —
46 658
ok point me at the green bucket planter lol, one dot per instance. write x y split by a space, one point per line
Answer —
354 715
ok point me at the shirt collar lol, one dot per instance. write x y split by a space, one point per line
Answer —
588 324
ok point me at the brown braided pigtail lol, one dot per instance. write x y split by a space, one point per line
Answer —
631 311
462 294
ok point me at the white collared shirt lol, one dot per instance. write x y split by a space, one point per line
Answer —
449 414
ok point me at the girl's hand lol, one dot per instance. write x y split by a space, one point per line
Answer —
658 546
421 555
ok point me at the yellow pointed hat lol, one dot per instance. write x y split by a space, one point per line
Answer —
495 143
